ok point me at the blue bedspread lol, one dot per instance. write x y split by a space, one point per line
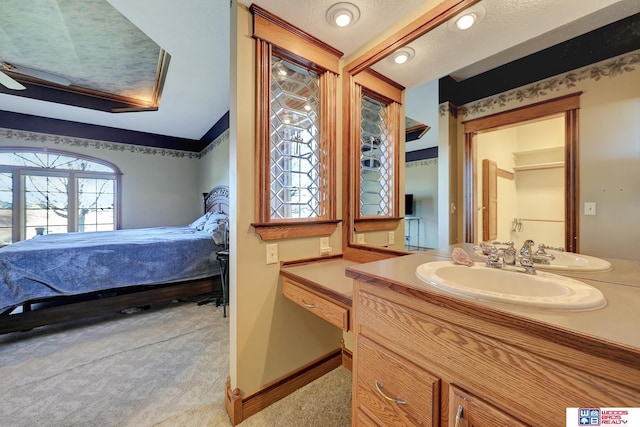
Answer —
77 263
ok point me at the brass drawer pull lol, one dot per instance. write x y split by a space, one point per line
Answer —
458 416
306 304
398 400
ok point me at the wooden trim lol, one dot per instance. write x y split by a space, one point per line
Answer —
506 174
364 253
285 38
417 28
379 84
376 223
325 292
263 120
290 229
274 30
572 174
240 406
525 113
470 182
347 357
310 260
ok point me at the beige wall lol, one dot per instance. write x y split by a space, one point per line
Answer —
159 187
270 336
609 148
213 169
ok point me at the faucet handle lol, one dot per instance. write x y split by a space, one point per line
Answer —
509 244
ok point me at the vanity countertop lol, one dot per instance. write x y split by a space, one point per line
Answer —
325 277
617 324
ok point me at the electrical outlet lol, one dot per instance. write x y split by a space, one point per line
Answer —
589 208
360 238
392 238
272 253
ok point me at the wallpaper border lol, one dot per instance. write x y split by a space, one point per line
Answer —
74 142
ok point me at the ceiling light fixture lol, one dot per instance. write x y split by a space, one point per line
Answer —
403 55
467 19
343 14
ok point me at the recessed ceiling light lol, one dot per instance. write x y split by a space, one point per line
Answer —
343 14
466 21
468 18
403 55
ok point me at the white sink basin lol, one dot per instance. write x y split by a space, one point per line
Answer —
543 290
568 261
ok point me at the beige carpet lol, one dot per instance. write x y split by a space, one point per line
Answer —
161 367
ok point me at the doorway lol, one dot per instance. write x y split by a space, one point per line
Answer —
565 108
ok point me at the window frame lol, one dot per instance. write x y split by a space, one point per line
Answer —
378 87
19 174
276 37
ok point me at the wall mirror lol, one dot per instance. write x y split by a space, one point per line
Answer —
440 193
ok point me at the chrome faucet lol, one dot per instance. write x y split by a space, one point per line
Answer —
542 257
509 257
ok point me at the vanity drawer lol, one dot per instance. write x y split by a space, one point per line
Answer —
328 310
391 390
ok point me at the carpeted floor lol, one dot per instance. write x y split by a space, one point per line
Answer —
161 367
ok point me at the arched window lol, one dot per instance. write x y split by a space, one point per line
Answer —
48 191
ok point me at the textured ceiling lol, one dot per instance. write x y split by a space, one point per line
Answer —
196 35
196 89
74 39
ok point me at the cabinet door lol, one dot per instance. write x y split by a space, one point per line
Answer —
466 410
393 391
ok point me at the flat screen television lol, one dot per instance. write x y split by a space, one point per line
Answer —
408 204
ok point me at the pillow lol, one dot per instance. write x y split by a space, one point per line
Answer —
214 221
198 224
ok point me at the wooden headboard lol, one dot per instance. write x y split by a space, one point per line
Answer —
217 200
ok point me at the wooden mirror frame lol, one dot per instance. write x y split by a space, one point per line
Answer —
438 15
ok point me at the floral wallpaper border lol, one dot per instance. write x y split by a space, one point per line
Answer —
68 141
418 163
611 68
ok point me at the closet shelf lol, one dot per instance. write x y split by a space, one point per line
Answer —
544 158
539 166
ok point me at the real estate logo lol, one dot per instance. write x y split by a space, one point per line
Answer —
602 416
589 416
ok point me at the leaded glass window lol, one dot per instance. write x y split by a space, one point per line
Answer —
376 160
295 149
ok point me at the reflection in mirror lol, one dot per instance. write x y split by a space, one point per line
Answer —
521 184
595 52
376 161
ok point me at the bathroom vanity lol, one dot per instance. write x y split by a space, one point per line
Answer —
423 356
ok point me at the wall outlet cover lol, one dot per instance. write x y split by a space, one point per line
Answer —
392 238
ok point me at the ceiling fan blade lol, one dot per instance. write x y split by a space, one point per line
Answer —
10 83
31 72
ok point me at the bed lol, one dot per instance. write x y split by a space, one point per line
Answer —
60 277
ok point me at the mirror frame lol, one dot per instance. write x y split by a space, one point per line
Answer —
438 15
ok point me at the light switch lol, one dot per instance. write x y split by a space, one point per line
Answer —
589 208
392 238
272 253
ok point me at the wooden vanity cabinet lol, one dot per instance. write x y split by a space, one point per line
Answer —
466 410
321 306
437 354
